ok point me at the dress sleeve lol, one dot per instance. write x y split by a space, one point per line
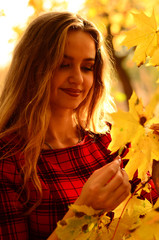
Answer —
13 222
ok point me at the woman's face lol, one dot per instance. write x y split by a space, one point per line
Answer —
73 79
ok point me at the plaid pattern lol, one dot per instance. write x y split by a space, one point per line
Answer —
62 173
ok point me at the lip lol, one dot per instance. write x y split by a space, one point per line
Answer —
72 91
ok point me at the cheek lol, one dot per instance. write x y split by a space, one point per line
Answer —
89 88
89 83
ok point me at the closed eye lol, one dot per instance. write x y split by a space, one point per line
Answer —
64 65
89 68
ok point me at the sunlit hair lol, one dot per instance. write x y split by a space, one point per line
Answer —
24 103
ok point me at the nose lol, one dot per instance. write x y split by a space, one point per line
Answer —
76 76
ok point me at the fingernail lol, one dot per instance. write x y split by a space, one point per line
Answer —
118 158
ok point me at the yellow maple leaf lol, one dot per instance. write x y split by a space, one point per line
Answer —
101 227
140 158
145 37
135 127
118 228
84 209
149 227
130 220
81 228
154 61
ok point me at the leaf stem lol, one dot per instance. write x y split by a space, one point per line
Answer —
116 228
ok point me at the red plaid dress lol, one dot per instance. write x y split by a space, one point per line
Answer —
62 173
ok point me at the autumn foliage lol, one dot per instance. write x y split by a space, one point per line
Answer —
146 39
137 218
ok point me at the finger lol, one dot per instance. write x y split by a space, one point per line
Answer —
115 202
126 177
98 171
120 179
123 188
118 195
115 182
104 174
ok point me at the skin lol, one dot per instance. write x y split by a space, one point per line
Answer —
72 81
73 78
110 184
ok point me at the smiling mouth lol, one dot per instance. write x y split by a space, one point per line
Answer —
72 92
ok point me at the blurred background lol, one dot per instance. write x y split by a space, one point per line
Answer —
112 17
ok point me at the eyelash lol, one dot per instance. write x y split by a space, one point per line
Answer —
64 65
89 69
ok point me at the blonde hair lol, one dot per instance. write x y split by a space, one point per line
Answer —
24 103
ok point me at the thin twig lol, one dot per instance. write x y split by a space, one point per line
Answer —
116 228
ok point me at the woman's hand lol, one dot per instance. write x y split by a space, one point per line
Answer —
106 188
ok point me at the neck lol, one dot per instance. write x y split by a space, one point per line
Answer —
62 131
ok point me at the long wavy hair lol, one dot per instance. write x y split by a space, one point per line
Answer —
24 102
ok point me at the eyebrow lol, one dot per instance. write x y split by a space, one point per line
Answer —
85 59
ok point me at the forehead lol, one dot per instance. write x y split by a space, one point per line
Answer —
80 43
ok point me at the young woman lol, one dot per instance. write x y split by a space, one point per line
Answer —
53 131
